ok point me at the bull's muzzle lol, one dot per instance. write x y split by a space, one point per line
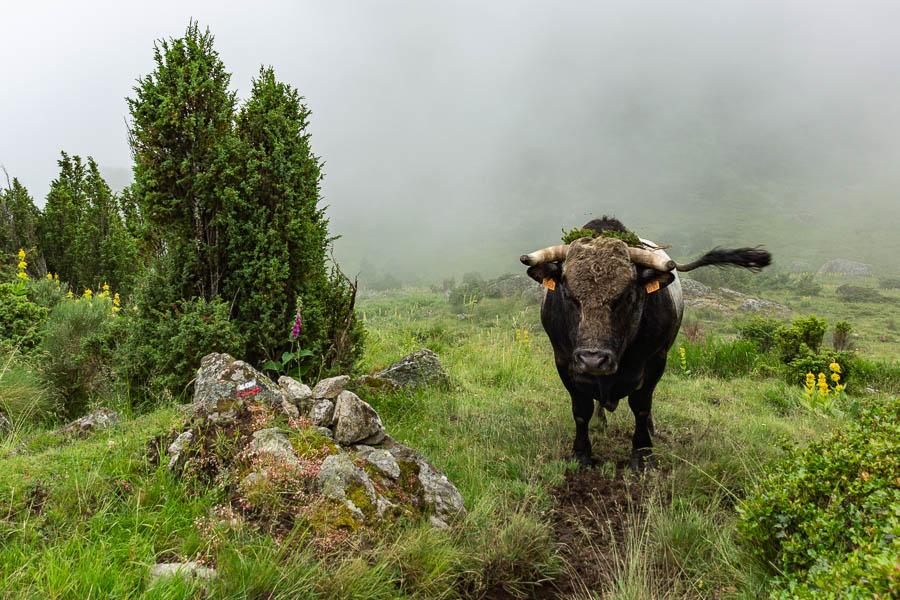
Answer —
594 361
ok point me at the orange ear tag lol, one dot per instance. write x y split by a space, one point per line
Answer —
653 286
550 284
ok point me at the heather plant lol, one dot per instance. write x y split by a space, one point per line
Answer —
824 521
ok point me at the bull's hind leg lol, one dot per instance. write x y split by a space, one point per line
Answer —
641 403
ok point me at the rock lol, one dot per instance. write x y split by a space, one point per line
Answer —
756 305
289 409
462 317
102 418
730 292
437 523
440 493
415 370
521 286
5 425
325 432
225 384
177 448
381 459
273 442
704 303
356 421
331 387
322 412
337 478
188 570
847 268
692 287
296 393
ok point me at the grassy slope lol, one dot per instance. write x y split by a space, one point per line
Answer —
83 519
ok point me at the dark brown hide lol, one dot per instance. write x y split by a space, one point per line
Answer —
598 272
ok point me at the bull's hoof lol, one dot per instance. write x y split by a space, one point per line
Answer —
643 459
585 462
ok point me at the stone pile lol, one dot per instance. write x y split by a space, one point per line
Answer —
369 474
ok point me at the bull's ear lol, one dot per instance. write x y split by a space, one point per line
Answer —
547 274
653 281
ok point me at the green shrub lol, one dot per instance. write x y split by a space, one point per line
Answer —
758 329
467 293
162 348
855 293
803 332
880 375
807 361
889 283
806 285
74 366
826 519
840 338
23 393
46 292
20 319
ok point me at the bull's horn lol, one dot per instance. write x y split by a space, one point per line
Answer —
646 258
551 254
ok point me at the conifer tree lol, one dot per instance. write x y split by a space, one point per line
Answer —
19 219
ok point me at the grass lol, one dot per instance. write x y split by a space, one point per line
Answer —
501 430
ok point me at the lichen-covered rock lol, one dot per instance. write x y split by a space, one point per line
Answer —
102 418
296 393
177 448
692 287
322 412
342 480
379 458
331 387
355 421
439 491
224 384
5 425
847 268
188 570
756 305
273 443
289 409
414 370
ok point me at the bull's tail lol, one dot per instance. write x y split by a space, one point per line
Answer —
748 258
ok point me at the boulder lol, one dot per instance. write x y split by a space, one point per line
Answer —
439 491
102 418
177 448
692 287
515 286
322 412
412 371
296 393
355 421
342 480
755 305
847 268
273 442
379 458
331 387
224 385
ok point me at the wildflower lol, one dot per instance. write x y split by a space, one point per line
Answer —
87 294
116 302
835 367
297 322
22 264
835 377
21 275
49 276
823 385
21 254
810 384
518 335
105 292
70 294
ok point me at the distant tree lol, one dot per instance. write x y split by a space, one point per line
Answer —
19 219
82 234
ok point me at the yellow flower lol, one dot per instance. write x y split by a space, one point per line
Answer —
22 264
87 294
21 254
69 294
835 367
21 275
116 299
49 276
835 377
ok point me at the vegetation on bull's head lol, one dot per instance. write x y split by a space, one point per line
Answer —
628 237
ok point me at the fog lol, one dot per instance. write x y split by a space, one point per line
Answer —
457 135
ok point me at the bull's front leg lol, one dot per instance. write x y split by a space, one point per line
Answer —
582 409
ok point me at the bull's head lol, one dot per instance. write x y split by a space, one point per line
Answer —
603 285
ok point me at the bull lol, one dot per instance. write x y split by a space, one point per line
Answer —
612 312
